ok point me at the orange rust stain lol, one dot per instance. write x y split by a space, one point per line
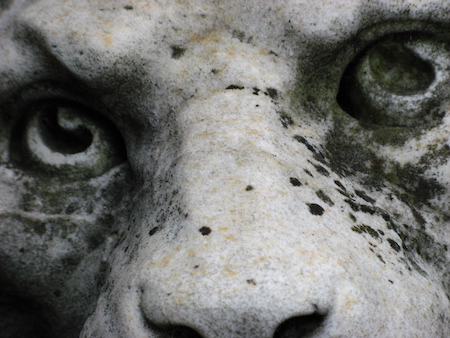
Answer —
231 238
107 40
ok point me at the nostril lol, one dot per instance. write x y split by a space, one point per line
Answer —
300 327
174 331
182 332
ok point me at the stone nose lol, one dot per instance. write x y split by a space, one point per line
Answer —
238 265
212 294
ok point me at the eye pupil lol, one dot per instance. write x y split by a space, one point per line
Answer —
59 138
399 70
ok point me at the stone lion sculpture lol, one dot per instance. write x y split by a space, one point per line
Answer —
225 168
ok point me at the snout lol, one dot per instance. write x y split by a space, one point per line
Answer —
232 239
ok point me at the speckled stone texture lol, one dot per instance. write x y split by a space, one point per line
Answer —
224 169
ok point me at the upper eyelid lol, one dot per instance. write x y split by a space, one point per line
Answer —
48 91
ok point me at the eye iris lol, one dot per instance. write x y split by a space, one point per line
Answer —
65 139
399 70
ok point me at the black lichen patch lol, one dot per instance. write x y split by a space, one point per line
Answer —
128 7
302 140
308 172
361 207
177 52
340 185
240 35
256 91
381 258
321 170
286 120
272 92
251 281
295 182
364 196
394 244
315 209
324 197
233 87
205 231
249 188
362 228
367 209
352 217
153 231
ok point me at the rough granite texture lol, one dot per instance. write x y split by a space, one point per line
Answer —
224 168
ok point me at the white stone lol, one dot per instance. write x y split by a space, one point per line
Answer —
197 168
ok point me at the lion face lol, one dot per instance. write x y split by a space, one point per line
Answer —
224 169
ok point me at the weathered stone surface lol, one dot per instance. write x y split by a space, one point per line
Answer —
224 169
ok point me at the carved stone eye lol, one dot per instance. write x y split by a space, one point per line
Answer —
401 80
66 139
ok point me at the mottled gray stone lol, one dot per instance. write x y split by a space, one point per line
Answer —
224 168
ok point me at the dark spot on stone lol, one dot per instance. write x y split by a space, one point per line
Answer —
272 93
324 197
295 182
177 52
153 231
386 217
308 172
271 52
340 185
240 35
352 204
394 245
249 188
251 281
214 71
381 232
352 217
255 91
196 266
205 231
286 120
418 217
364 196
367 209
302 140
381 259
315 209
343 193
128 7
366 229
321 170
390 281
235 87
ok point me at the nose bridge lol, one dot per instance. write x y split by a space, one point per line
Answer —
229 143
